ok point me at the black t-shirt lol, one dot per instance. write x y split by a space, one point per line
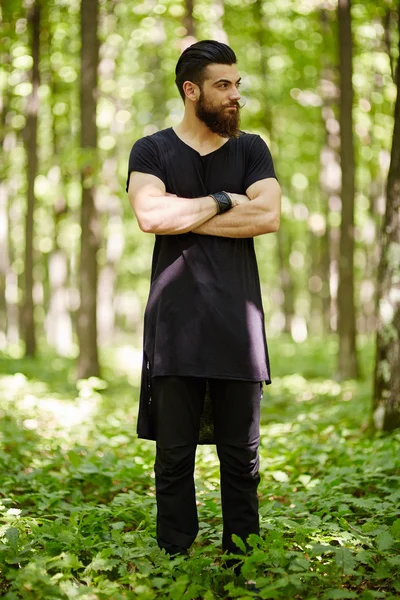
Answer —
204 317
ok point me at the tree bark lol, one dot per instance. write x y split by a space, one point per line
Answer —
32 159
58 318
347 359
328 158
4 229
188 20
386 404
88 363
285 277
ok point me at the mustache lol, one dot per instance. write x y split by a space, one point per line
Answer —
237 105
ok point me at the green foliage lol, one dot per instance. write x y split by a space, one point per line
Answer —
77 498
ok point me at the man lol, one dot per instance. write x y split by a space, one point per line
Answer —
205 189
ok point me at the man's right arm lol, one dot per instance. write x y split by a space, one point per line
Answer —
163 214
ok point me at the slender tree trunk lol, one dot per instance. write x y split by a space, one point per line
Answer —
58 318
108 274
188 20
285 278
88 363
386 407
31 147
262 37
328 183
347 359
4 262
4 234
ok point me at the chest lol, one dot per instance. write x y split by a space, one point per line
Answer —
190 175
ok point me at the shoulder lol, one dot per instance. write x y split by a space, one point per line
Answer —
155 139
249 140
251 144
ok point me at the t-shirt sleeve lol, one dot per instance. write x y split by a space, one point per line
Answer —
259 162
144 158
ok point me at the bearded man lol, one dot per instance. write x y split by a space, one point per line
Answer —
205 189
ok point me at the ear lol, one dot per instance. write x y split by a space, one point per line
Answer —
192 91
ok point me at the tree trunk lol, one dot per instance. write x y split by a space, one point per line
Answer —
4 230
188 20
4 262
386 407
329 162
32 158
58 318
347 359
285 277
108 274
88 363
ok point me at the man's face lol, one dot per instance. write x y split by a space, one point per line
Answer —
218 103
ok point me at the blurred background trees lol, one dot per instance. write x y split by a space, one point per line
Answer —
319 82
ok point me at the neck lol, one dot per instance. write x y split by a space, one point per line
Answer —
194 130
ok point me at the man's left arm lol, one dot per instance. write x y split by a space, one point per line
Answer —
258 216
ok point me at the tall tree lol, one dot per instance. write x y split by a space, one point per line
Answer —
328 159
387 371
347 359
58 318
283 241
88 363
32 158
188 19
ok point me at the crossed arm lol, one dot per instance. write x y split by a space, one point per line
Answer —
253 214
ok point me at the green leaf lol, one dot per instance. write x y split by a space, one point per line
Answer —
319 549
74 458
395 529
394 561
300 564
159 582
238 542
280 476
345 560
101 564
336 594
254 540
12 534
369 527
67 560
384 541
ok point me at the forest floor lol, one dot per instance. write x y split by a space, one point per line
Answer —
77 504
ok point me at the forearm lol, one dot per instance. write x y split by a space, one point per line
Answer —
168 215
250 219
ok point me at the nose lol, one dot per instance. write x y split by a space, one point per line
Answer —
235 95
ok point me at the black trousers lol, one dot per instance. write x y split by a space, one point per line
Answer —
177 406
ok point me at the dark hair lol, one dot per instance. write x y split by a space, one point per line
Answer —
193 62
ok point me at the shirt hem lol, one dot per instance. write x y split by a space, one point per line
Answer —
266 380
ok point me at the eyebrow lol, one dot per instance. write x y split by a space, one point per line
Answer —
226 81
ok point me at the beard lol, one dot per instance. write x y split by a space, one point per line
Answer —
220 121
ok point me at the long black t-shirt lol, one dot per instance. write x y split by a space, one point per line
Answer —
204 316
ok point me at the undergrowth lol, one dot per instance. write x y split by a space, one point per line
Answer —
77 498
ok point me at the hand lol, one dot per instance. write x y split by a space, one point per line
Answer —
238 199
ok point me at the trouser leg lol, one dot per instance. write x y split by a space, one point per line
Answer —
236 406
177 405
